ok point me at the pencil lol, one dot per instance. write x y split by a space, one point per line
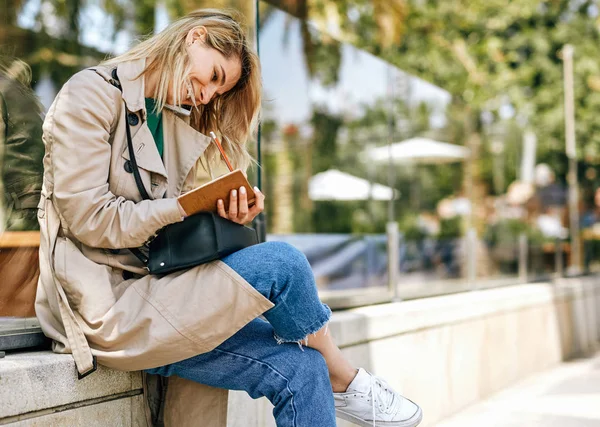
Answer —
214 138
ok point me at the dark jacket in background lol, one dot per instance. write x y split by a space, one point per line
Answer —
21 155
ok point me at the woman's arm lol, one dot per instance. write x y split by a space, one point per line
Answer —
77 133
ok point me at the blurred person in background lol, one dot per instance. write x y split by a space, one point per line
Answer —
550 195
21 154
21 147
548 216
97 301
549 203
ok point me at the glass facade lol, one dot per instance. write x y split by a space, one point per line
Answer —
479 202
355 141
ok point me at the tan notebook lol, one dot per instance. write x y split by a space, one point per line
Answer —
204 198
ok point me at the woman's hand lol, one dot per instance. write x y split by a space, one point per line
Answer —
238 206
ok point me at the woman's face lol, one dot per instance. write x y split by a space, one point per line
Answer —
211 73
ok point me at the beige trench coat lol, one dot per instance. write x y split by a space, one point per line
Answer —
91 210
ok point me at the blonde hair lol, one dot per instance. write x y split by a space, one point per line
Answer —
15 69
233 114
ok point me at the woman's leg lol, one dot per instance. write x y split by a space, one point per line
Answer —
341 372
294 381
282 274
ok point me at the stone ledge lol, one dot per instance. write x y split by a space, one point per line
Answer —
363 324
34 381
125 412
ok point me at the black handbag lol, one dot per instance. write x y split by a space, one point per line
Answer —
196 240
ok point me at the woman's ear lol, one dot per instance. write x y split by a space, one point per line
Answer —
197 34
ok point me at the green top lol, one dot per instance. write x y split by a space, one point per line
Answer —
155 124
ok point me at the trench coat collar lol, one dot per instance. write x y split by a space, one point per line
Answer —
133 84
183 147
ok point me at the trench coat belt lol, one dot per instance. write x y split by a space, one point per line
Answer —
84 360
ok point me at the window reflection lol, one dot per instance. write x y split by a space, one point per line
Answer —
333 106
460 219
511 237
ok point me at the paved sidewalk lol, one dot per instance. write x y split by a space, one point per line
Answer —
567 396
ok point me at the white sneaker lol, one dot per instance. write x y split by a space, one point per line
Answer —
370 402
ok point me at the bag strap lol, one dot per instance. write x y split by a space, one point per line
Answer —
136 173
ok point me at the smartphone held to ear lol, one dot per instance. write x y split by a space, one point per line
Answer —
183 110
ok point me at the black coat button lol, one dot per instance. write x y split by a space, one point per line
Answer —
132 119
115 251
128 167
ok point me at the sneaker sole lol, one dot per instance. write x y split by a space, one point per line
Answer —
414 421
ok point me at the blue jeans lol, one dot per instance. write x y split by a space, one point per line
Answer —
265 358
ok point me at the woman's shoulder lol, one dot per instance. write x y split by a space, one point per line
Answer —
93 82
85 92
87 88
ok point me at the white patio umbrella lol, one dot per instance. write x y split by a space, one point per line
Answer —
335 185
419 151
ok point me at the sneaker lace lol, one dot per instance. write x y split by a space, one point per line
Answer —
383 396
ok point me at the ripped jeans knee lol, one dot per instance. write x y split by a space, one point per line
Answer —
302 341
282 273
